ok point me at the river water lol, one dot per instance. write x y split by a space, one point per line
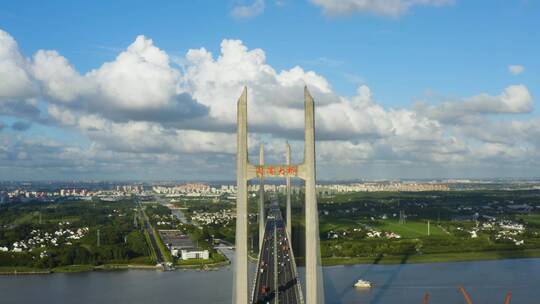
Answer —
486 282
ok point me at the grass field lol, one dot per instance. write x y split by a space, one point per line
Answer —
411 229
164 251
27 218
531 218
435 258
73 268
337 224
22 270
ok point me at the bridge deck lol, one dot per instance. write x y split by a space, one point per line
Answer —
287 278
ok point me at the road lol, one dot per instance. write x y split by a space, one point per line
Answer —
276 243
148 227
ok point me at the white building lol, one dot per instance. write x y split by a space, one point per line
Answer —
195 254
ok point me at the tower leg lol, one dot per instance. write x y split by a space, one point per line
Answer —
241 267
314 291
288 213
262 216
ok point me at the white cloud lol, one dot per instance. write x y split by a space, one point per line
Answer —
515 99
275 98
18 90
139 84
139 78
15 81
516 69
392 8
58 79
139 111
248 11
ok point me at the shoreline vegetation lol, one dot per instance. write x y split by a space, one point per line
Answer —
436 257
327 262
355 228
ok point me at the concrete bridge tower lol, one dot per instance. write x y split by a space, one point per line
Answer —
305 171
240 292
314 285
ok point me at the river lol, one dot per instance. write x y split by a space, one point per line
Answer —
486 282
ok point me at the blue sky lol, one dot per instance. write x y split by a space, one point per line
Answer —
445 52
454 50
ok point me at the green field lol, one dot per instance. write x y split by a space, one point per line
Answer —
410 229
73 268
531 218
22 270
435 258
337 224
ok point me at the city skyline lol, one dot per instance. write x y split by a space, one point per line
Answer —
147 92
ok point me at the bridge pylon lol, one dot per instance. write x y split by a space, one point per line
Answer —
306 171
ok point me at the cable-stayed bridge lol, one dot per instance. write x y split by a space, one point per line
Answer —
276 279
246 170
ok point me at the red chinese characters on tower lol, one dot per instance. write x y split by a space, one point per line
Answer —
276 170
292 170
260 171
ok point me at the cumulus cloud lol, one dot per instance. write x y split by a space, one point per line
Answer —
391 8
248 11
15 81
515 99
516 69
139 84
275 98
142 112
18 91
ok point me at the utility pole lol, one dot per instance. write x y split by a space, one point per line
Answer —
428 230
98 238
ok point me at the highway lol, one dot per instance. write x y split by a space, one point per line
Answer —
288 290
153 242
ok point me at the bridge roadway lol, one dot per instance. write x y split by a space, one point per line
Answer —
288 285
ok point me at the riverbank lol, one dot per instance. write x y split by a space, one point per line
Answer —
384 260
22 270
435 258
72 269
204 266
107 267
